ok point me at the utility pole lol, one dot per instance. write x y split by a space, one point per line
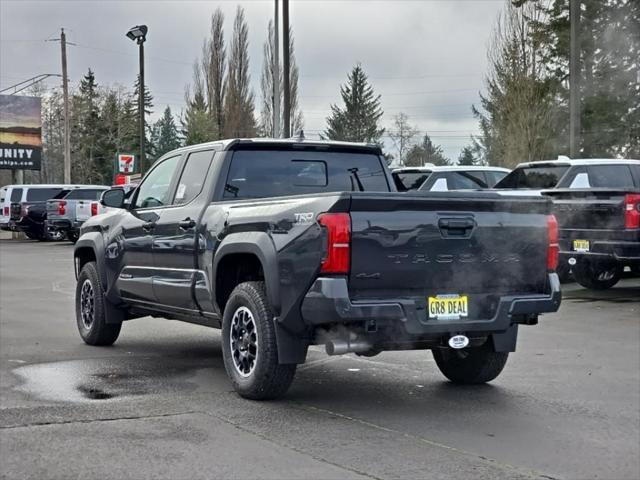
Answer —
65 93
285 67
574 80
276 73
141 106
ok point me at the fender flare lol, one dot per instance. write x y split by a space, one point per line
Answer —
260 245
94 241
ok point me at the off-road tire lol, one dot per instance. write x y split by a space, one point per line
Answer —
97 332
593 275
267 379
31 236
73 236
470 366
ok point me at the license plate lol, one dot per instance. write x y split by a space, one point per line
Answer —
448 307
581 245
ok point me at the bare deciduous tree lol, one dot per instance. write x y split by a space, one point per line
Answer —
402 135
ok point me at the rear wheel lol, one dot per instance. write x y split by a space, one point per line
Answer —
470 366
73 236
597 275
249 345
31 235
91 309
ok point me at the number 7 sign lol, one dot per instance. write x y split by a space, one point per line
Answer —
126 163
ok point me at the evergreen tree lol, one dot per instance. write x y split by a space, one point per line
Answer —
426 153
359 120
196 124
164 137
467 157
148 105
84 126
610 74
238 102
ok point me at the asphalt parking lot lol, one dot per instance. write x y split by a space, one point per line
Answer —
158 403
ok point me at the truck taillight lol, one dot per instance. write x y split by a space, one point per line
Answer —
5 211
62 207
24 211
338 257
94 208
553 248
632 211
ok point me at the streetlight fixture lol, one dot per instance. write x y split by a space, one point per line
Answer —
139 34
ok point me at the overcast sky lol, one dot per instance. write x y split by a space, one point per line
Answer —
426 58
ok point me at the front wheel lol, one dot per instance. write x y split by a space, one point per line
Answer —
91 309
470 366
597 275
249 345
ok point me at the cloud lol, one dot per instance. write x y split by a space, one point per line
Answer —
426 58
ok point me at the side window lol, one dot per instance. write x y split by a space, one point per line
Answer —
193 176
154 190
16 195
610 176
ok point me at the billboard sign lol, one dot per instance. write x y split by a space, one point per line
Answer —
126 163
20 132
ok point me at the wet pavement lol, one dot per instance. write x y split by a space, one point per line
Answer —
158 404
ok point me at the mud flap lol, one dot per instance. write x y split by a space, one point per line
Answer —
291 348
112 314
505 342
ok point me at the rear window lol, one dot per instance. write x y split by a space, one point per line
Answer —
260 174
409 180
455 181
610 176
16 195
41 194
84 194
533 177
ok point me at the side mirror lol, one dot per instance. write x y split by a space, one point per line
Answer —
113 198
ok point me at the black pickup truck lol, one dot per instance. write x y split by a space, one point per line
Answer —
285 244
599 231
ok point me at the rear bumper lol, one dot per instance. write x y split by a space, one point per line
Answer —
617 250
61 224
327 302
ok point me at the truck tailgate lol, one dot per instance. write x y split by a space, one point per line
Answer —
589 209
439 244
83 210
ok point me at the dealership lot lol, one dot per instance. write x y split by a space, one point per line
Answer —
158 403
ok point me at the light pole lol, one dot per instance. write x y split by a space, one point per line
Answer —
139 35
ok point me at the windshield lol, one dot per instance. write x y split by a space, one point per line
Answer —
533 177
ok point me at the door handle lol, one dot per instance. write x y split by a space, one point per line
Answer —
148 226
186 224
456 227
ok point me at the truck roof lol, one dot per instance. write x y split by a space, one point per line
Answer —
450 168
293 143
579 162
53 185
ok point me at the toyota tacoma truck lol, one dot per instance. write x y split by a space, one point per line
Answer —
285 244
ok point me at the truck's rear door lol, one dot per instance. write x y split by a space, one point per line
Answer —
475 245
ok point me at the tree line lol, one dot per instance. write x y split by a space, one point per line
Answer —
522 115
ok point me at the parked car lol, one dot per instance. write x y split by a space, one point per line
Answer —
8 194
444 178
286 243
599 222
28 213
531 178
70 208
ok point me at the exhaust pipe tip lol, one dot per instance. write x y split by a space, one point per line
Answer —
340 347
